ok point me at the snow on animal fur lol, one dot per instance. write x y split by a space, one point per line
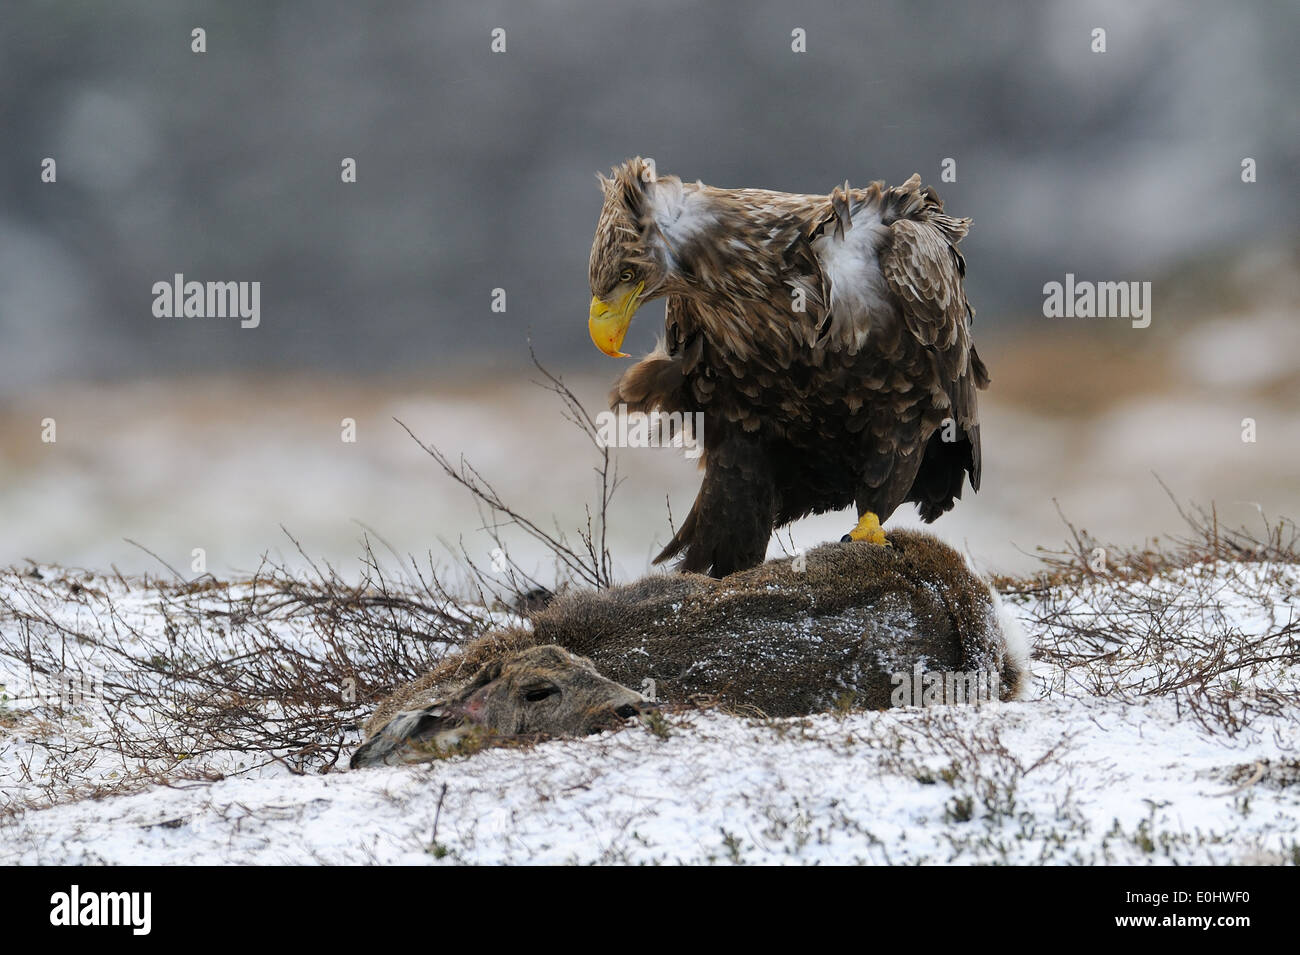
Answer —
791 637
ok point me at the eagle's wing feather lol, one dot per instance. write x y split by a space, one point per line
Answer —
923 270
880 251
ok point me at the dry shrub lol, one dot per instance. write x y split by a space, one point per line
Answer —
1166 619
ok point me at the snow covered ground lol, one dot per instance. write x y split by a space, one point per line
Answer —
1162 729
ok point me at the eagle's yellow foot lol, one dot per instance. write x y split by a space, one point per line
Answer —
868 530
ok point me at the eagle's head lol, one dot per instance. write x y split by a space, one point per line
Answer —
630 262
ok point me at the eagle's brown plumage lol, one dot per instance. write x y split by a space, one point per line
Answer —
826 339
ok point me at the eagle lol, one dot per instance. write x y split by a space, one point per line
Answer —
824 339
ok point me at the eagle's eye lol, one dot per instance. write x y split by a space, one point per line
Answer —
626 275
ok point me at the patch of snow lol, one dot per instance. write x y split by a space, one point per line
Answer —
1065 777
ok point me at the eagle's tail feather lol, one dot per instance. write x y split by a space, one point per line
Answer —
731 521
683 536
945 467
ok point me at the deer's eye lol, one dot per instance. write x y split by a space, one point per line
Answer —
536 694
626 275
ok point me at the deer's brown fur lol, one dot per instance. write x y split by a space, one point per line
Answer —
789 637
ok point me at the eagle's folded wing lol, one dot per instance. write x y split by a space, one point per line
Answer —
923 270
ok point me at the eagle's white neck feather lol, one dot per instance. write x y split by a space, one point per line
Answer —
852 264
680 212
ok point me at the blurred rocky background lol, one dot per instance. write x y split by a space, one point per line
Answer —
475 172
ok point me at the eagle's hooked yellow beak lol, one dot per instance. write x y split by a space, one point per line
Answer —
608 322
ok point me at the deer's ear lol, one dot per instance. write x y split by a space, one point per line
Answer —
411 736
488 673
